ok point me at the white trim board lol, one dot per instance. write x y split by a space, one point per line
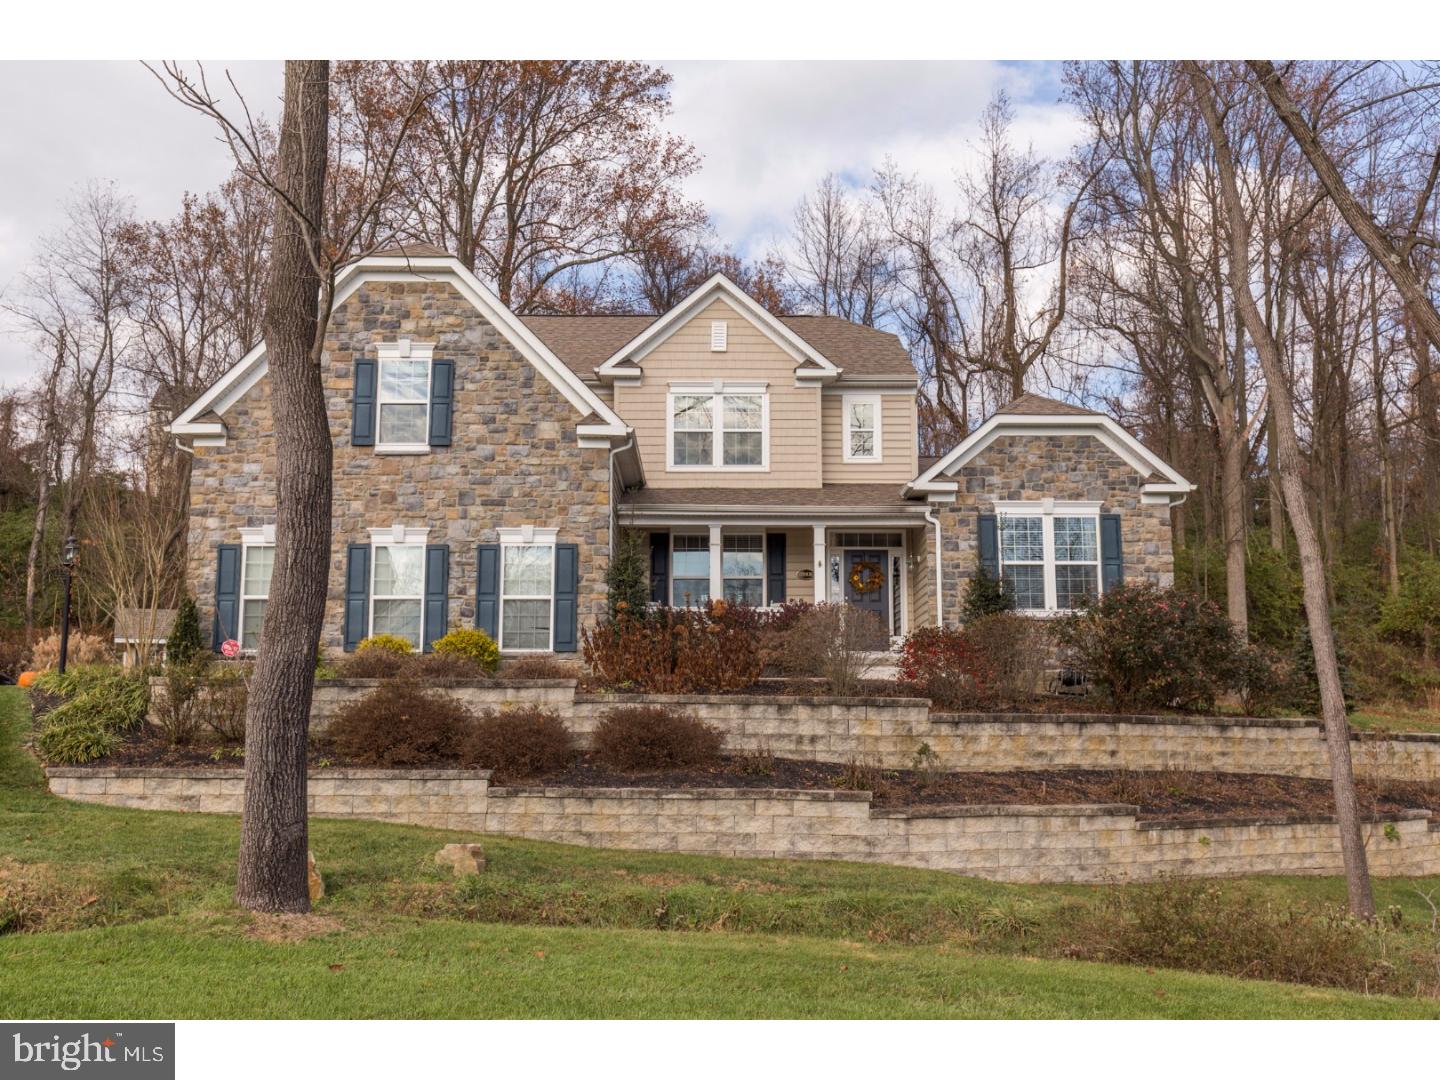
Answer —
717 287
236 382
936 480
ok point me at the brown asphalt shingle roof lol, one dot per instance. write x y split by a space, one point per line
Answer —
412 251
584 342
134 624
828 495
1039 405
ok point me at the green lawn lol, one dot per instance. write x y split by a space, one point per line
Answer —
1386 717
131 916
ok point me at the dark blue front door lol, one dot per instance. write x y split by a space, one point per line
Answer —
867 586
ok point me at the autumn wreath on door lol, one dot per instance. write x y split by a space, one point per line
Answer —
866 577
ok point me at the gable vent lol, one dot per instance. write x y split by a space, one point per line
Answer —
718 334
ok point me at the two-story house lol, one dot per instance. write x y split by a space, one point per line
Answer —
485 461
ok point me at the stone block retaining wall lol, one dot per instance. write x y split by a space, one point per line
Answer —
888 731
1003 843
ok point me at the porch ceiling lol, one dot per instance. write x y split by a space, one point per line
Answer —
848 499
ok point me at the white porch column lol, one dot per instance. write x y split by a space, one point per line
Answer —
717 577
822 568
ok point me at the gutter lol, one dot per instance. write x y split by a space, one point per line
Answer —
614 500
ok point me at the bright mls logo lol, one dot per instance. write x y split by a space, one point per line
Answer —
121 1052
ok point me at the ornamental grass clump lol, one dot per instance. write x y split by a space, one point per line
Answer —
1152 648
98 705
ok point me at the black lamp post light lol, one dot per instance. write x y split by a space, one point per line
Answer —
67 563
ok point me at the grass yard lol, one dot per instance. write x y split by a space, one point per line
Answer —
114 912
1385 717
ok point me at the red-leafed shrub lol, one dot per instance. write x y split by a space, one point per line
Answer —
946 666
677 650
1148 647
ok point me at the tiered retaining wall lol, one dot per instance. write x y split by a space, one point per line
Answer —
888 731
1004 843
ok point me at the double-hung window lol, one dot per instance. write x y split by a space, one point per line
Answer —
718 427
689 569
403 403
527 589
742 565
862 427
397 590
256 567
1050 554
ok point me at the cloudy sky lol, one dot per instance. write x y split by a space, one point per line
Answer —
766 130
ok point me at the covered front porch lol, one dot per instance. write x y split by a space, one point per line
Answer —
764 552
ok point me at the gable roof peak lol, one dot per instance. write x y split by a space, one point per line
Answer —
1029 404
411 250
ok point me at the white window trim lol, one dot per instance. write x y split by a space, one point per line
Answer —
762 577
260 536
718 391
862 399
526 536
404 349
1047 510
397 535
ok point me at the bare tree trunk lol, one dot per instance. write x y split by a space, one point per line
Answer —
1417 300
274 836
1234 502
1312 567
49 443
1388 519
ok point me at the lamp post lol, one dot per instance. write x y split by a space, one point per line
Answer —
67 562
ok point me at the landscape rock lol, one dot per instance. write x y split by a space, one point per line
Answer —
463 859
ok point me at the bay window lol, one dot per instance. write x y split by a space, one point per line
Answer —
1050 554
718 428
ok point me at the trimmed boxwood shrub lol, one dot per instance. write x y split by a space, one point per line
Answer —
635 738
390 643
399 725
518 743
474 645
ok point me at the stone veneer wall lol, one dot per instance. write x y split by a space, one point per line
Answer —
1003 843
513 459
1064 467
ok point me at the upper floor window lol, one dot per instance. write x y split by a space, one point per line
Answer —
718 428
403 403
1050 555
862 427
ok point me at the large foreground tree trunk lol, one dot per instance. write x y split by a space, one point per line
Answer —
274 837
1290 464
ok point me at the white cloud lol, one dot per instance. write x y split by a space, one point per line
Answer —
65 124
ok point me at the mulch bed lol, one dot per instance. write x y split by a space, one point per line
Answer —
1167 795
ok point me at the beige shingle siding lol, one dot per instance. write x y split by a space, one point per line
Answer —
749 356
897 437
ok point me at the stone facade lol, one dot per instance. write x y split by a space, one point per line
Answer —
513 460
1003 843
1063 467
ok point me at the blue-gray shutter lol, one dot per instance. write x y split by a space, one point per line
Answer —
567 597
775 567
227 595
362 403
988 536
487 590
1112 566
357 596
437 592
442 401
660 568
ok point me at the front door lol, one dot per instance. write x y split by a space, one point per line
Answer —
867 587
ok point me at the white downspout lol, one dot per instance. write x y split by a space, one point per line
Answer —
939 609
614 501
